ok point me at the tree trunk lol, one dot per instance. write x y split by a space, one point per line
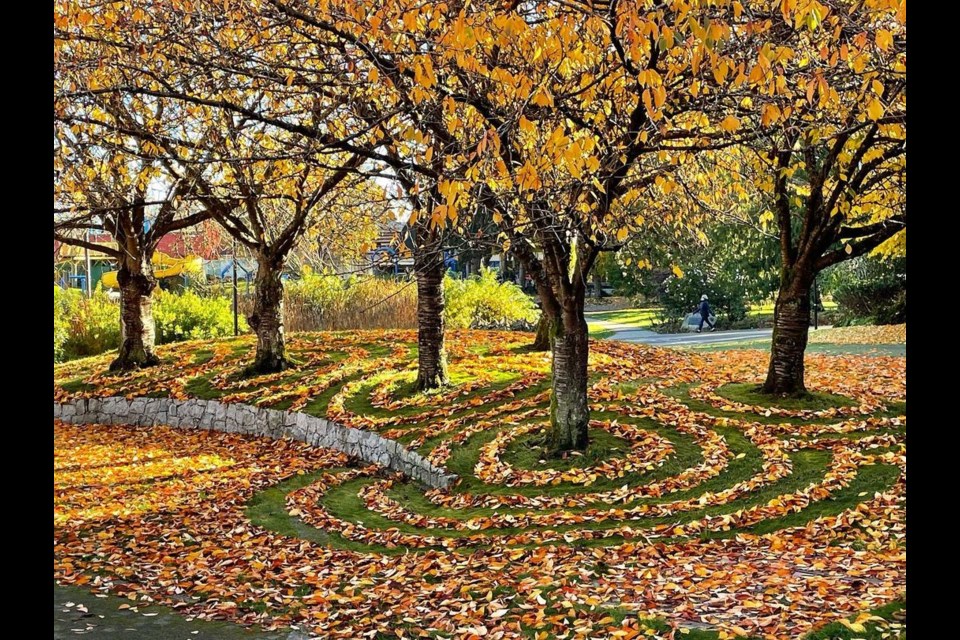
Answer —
137 330
548 312
432 356
791 324
569 412
542 341
267 317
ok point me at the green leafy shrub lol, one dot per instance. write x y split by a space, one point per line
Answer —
483 302
869 291
93 325
87 327
65 301
188 316
680 296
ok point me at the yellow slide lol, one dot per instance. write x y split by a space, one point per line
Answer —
163 267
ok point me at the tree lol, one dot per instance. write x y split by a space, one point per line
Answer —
269 159
831 155
575 118
268 193
109 178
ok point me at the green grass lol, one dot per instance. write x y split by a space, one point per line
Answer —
826 348
77 385
268 509
682 393
530 452
748 393
873 630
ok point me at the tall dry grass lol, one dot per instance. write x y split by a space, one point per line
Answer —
320 302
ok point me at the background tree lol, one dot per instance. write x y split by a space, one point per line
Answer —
268 191
110 177
831 160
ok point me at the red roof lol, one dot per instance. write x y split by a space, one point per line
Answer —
204 240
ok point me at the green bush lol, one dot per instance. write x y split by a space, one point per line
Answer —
188 316
65 301
483 302
869 291
93 325
87 327
680 296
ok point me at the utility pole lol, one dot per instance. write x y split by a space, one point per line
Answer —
88 281
236 317
816 303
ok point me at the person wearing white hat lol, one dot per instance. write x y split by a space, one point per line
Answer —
704 310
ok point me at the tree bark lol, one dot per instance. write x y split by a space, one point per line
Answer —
137 329
549 311
432 356
267 317
569 410
542 341
791 324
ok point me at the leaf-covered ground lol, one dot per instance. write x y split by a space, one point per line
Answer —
699 511
882 334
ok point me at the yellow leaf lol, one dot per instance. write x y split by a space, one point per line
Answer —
884 39
410 20
622 234
542 98
770 114
875 109
730 124
677 271
374 75
853 626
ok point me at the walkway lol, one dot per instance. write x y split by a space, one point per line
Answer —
626 333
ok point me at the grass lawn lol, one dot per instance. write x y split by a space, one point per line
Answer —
676 506
646 317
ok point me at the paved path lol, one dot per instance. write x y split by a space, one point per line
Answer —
77 612
627 333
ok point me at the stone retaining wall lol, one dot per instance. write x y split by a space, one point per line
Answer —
270 423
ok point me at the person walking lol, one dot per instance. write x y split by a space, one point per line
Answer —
704 310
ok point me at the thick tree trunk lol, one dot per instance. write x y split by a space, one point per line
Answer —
137 330
432 356
791 324
267 317
569 411
542 341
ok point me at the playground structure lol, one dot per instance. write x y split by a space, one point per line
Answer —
164 266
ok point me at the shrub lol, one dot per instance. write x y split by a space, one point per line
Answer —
869 291
93 325
188 316
679 296
86 327
65 302
483 302
323 301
